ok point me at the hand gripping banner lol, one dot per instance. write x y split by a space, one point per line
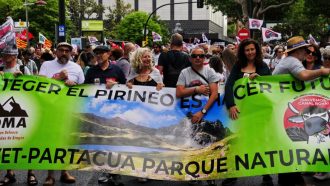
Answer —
283 126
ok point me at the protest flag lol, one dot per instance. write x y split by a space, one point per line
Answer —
20 43
43 40
238 40
6 27
6 40
156 37
196 40
205 40
312 40
268 35
255 23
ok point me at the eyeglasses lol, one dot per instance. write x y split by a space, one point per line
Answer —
197 55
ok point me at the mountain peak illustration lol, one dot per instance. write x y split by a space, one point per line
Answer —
15 111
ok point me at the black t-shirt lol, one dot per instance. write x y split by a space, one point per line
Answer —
173 62
151 82
112 72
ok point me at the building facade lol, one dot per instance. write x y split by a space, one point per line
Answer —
193 21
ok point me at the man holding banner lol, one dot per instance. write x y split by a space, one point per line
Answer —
70 73
292 64
198 80
62 68
10 65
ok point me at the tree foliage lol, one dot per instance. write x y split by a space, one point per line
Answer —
116 14
41 18
131 28
79 11
241 10
90 7
303 19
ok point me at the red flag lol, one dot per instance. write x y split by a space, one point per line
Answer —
113 45
23 35
122 45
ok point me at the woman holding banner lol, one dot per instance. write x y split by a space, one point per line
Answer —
250 65
143 73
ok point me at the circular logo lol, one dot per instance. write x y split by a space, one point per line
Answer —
307 118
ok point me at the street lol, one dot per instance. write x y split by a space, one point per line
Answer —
90 178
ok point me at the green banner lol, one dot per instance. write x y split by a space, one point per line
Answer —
283 126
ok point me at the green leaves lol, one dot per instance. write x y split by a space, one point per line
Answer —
131 28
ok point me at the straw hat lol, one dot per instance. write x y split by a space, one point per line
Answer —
295 43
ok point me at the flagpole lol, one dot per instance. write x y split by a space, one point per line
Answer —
26 4
27 24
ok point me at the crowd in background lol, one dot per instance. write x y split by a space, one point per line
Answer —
176 65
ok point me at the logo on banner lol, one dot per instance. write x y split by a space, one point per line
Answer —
12 115
307 118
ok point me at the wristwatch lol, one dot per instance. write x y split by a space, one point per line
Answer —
203 111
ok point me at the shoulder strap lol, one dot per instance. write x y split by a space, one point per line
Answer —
200 75
22 68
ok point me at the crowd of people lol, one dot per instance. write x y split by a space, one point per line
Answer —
198 70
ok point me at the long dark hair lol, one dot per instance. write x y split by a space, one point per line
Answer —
85 58
318 61
242 60
215 62
228 58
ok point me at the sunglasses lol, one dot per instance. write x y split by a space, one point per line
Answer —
326 58
197 55
310 52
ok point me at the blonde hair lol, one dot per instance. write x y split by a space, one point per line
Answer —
136 58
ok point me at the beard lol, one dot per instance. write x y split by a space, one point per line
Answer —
63 59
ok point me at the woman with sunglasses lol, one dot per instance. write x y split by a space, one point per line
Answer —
313 58
249 64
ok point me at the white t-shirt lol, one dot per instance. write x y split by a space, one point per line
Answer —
17 68
52 68
189 78
289 65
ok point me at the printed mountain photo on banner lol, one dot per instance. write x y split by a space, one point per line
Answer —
95 130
